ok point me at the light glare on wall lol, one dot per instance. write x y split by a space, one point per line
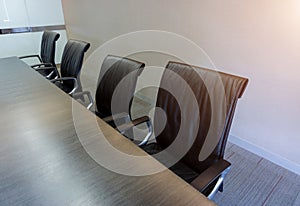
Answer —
6 12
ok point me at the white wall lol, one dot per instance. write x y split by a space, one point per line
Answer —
258 39
29 13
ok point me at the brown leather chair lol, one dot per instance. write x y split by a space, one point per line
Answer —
198 106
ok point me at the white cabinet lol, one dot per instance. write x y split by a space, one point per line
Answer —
16 15
13 14
45 12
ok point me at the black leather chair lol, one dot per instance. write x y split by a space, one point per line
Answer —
47 53
192 143
116 70
71 64
115 90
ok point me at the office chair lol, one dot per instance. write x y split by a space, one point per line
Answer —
117 80
71 64
46 57
196 123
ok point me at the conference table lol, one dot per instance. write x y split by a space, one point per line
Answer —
52 153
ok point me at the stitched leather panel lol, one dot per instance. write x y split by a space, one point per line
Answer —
216 94
72 60
116 71
48 45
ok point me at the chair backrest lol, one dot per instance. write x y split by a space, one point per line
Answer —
48 45
116 71
72 57
200 115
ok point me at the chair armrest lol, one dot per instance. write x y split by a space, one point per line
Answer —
67 79
133 123
54 70
218 170
116 117
31 56
42 64
81 94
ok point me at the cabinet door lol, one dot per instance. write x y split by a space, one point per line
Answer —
45 12
13 14
19 16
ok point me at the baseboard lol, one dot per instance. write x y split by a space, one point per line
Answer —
277 159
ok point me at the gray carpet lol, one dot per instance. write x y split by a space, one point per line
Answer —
256 181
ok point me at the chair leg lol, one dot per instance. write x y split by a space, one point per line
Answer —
218 184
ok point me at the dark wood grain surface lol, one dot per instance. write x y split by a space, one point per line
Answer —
43 161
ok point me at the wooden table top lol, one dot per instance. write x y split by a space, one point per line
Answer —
46 147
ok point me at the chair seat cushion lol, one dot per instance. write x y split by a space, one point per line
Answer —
152 148
184 172
63 87
179 168
44 72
